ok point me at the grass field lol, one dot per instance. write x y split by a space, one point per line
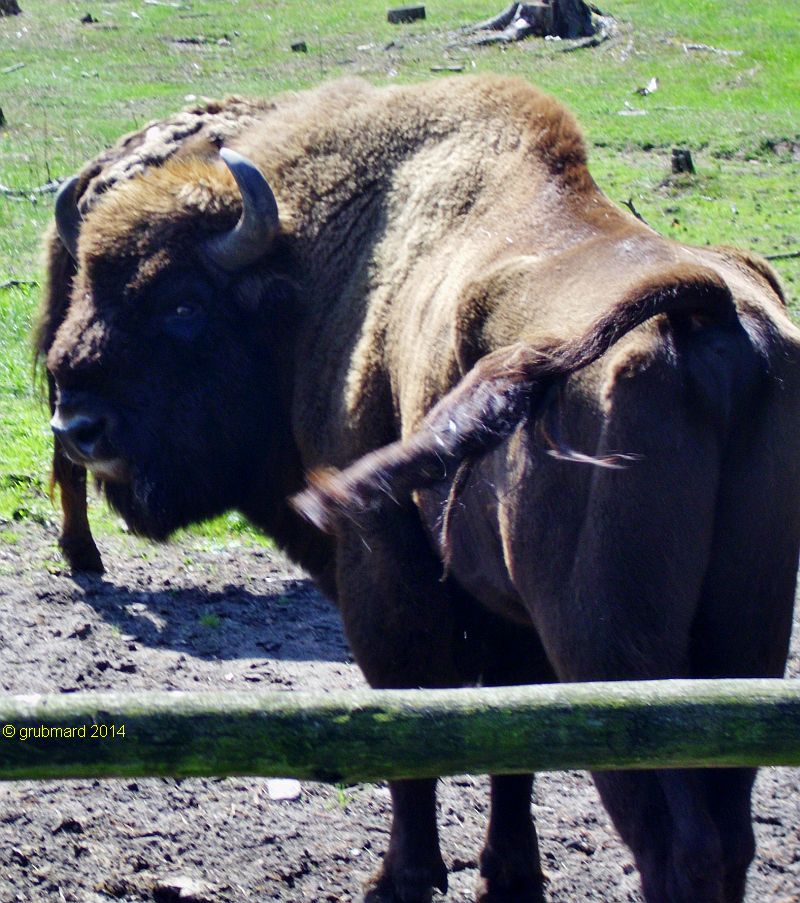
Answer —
728 87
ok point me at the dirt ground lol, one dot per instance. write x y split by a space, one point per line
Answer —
175 617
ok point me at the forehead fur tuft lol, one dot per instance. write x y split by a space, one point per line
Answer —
142 227
194 185
163 200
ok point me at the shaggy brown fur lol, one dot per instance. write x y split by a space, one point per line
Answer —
457 319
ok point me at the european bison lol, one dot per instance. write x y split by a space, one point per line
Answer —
571 448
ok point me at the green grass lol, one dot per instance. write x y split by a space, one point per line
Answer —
81 86
209 620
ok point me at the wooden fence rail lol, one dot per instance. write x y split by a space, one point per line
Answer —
372 735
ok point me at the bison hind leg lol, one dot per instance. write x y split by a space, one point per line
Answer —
665 820
729 791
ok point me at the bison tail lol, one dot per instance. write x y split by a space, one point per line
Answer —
485 407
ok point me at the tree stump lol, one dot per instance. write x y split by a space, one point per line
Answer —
568 19
572 19
9 8
682 160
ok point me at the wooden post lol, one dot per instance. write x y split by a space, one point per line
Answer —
682 160
403 14
372 735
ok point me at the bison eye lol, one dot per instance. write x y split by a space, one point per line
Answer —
184 320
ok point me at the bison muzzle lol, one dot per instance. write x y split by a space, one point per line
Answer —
543 443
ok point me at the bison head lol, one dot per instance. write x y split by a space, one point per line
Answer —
166 386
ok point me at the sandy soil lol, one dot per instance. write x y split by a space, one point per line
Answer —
181 618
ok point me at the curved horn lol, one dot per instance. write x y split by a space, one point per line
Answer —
68 217
251 236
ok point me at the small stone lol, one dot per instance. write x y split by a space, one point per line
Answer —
283 789
68 826
299 47
21 855
182 889
81 632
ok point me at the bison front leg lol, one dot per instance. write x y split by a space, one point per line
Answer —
402 624
509 861
412 865
75 541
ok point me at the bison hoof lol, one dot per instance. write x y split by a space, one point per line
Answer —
414 885
511 878
487 892
82 555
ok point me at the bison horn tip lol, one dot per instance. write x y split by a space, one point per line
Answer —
68 216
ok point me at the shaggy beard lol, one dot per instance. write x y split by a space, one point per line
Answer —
155 506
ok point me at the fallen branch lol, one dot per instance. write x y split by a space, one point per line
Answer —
50 187
787 255
707 48
634 211
19 283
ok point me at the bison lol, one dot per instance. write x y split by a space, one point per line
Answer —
544 443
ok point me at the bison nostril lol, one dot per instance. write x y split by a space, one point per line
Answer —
79 434
87 435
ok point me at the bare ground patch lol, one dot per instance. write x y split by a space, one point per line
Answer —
173 617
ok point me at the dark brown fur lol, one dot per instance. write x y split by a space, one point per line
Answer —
453 330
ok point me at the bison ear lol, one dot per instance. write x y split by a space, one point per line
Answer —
68 217
251 237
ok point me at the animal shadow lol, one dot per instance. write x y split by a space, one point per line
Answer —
293 622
